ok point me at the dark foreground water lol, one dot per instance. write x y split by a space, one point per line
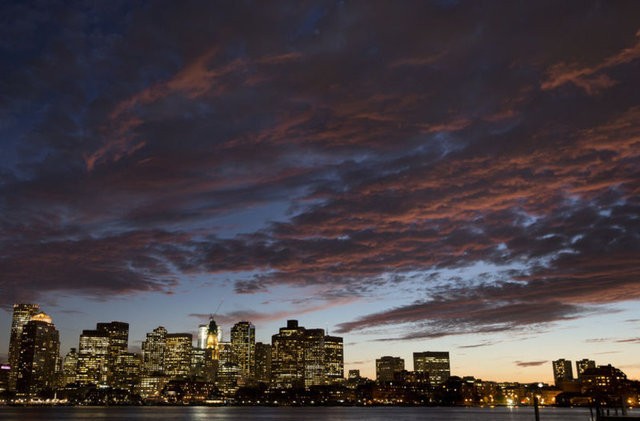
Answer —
291 414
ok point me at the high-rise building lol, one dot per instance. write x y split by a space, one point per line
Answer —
305 357
562 371
203 333
69 367
22 314
153 350
228 370
263 362
39 353
387 366
314 372
287 356
118 333
435 363
334 359
583 365
214 337
177 356
127 370
93 355
243 343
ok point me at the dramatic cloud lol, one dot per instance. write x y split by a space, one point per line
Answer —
433 152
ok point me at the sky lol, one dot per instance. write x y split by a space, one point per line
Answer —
457 176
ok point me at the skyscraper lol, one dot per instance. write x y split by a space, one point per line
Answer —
69 367
22 313
39 353
243 343
214 337
177 356
203 332
93 355
153 350
263 363
314 373
562 371
435 364
305 357
118 333
334 359
287 356
387 366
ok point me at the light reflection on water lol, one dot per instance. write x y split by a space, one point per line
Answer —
292 414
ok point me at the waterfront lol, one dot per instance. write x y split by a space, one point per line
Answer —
292 413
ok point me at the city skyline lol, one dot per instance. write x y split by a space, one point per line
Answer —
415 175
436 363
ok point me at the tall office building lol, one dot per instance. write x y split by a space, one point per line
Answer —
177 356
203 332
118 333
69 367
153 350
214 337
39 353
22 314
583 365
127 370
435 364
263 362
314 373
287 356
305 357
387 366
334 359
562 371
243 343
93 355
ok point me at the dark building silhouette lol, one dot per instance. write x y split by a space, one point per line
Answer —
39 354
562 371
22 314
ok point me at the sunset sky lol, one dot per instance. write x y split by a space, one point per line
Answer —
410 175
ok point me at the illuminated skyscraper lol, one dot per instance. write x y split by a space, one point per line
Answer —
203 333
22 313
583 365
177 356
562 371
69 367
333 359
314 373
118 333
153 350
39 353
228 373
263 362
435 364
287 356
243 343
127 370
387 366
305 357
93 355
214 337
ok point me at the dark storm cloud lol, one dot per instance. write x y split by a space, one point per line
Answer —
375 147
